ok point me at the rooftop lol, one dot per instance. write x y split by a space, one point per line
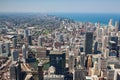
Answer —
54 76
56 52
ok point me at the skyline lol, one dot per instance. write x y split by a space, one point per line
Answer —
66 6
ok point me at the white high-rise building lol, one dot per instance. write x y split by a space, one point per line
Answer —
24 52
110 22
96 69
100 36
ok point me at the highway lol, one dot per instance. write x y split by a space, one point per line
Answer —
4 72
25 68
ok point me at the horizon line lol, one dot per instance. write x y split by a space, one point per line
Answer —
64 12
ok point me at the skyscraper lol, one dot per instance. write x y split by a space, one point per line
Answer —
15 71
96 70
40 71
58 60
13 75
89 62
100 35
119 26
26 33
7 47
104 66
14 42
82 59
40 41
29 40
88 42
24 52
15 55
71 61
110 22
116 26
96 47
113 45
119 44
1 49
110 74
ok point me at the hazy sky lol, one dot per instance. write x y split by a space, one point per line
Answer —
80 6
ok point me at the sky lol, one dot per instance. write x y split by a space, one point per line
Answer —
66 6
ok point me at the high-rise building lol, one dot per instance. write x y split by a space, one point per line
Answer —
88 42
100 33
110 74
40 71
58 60
116 26
119 26
14 42
96 48
89 62
106 40
118 75
15 72
13 75
29 40
80 74
15 55
118 38
1 49
40 42
113 44
24 52
18 70
119 44
100 36
26 33
7 47
110 22
82 59
114 38
103 62
71 61
96 70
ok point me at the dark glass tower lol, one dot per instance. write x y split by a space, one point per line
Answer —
14 42
29 40
88 42
15 71
58 60
95 48
13 75
40 71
